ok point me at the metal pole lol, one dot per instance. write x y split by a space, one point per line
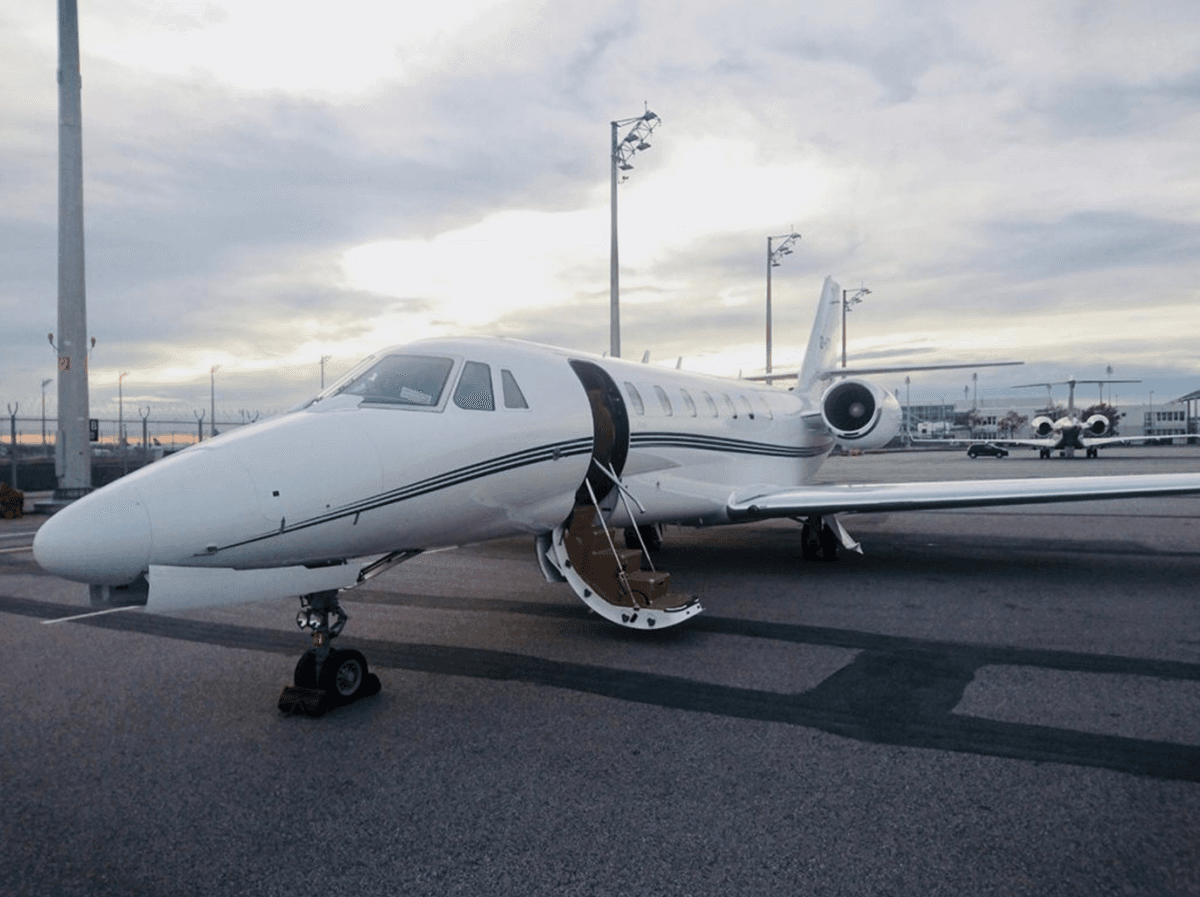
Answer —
844 328
45 383
212 398
12 417
770 261
614 287
145 415
73 455
121 424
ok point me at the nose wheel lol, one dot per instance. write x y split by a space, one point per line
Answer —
326 677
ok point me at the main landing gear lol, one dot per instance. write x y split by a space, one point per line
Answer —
818 541
326 677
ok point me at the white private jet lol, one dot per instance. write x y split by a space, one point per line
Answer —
450 441
1069 432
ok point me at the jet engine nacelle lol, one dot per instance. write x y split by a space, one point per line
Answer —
860 414
1042 426
1097 425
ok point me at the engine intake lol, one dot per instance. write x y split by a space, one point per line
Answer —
860 414
1097 425
1042 426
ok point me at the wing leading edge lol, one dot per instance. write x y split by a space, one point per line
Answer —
823 500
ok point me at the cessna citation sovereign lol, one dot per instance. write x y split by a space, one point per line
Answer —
450 441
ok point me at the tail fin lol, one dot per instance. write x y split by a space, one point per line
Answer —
821 354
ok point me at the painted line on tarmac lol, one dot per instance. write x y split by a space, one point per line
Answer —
95 613
899 692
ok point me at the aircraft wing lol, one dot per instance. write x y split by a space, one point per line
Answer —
1026 443
804 501
1102 441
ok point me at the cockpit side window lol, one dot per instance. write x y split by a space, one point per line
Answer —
474 390
513 397
402 380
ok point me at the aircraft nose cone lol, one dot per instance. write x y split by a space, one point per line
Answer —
103 538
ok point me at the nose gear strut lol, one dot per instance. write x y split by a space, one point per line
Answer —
326 677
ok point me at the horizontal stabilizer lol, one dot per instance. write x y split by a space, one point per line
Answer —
862 371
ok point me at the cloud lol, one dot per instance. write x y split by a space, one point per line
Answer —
263 191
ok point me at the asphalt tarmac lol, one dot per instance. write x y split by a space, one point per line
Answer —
985 702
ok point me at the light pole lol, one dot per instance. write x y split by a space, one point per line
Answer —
73 452
847 303
121 422
212 399
145 416
324 358
773 257
908 409
623 149
45 383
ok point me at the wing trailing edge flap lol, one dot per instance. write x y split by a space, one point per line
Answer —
823 500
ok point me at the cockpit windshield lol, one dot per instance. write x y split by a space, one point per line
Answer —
402 380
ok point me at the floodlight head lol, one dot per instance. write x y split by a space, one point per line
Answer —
625 166
643 146
649 116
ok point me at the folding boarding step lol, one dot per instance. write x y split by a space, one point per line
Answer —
610 579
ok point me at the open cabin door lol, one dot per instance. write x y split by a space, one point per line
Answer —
610 426
582 550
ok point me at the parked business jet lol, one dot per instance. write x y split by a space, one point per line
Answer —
1069 432
450 441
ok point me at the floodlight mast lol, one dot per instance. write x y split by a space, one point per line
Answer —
73 457
623 149
773 257
848 303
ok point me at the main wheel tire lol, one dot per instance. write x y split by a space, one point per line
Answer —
343 675
829 544
810 545
651 535
306 670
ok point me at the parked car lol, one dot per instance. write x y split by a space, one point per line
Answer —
986 448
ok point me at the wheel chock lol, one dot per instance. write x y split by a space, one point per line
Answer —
308 701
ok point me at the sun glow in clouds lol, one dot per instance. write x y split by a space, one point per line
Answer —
530 259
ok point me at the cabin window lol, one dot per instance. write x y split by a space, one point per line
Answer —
729 406
635 397
402 380
664 401
513 397
746 406
474 391
766 407
712 405
687 400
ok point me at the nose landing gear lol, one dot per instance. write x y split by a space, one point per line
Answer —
326 677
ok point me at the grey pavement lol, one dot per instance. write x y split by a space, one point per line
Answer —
985 702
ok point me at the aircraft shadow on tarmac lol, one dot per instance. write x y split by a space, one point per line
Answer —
897 691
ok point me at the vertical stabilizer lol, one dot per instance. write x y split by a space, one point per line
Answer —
821 353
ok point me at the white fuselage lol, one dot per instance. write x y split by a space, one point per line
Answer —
351 476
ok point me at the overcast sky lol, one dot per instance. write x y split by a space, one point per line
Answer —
267 183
